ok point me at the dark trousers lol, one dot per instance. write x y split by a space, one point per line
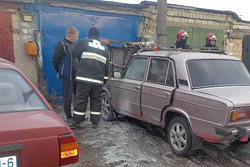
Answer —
74 89
67 87
74 83
84 91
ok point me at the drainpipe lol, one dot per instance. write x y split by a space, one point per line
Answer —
36 35
161 28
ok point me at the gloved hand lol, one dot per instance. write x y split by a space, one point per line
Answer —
105 80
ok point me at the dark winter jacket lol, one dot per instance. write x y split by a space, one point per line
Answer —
182 44
210 47
93 56
62 59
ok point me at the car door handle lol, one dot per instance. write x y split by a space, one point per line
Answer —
166 94
136 88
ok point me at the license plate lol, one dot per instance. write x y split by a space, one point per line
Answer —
10 161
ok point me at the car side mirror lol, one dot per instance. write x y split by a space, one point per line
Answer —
117 74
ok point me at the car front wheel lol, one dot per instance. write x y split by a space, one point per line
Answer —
107 112
180 137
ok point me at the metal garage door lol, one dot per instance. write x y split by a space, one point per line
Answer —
197 36
54 22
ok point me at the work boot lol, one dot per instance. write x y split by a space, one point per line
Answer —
73 125
94 125
69 121
76 126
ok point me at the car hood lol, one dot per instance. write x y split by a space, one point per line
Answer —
237 95
20 126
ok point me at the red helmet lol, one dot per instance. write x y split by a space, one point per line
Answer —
181 33
209 37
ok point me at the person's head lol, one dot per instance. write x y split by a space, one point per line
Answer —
181 38
211 39
72 34
93 33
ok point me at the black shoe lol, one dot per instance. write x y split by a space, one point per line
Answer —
95 125
69 121
76 126
72 124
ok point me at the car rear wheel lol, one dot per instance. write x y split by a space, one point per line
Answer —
107 112
241 142
180 137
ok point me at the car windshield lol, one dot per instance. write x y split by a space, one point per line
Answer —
217 72
16 94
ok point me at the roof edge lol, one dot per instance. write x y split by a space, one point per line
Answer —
143 4
99 2
235 16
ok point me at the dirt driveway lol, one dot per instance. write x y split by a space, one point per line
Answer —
130 143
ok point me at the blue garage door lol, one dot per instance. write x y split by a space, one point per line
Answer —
54 22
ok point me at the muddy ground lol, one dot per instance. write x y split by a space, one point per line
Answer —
127 142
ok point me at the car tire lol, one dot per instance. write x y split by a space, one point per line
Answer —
241 142
180 137
107 112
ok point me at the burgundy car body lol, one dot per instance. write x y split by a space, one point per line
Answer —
33 136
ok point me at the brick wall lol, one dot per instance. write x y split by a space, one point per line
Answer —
23 32
234 29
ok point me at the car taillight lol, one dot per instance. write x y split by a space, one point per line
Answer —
69 152
239 115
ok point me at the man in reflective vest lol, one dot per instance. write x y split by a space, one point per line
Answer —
93 68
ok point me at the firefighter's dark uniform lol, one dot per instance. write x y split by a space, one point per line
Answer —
93 56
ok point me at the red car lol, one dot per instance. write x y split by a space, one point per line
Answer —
31 132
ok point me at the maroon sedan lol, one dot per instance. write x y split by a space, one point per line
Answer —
31 133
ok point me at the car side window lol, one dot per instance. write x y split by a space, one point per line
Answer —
170 75
158 70
136 69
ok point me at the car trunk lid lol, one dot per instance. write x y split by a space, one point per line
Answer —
33 124
32 137
237 95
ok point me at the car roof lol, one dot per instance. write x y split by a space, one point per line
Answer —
183 55
5 61
7 64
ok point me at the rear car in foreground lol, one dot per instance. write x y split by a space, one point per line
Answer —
194 96
31 133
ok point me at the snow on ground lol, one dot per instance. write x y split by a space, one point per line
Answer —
127 142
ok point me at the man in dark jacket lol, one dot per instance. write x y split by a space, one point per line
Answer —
93 56
62 61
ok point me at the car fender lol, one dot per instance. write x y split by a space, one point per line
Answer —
104 89
176 110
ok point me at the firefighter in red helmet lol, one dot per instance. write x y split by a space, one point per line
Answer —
181 40
211 41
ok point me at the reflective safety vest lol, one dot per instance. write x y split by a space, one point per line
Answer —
93 56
